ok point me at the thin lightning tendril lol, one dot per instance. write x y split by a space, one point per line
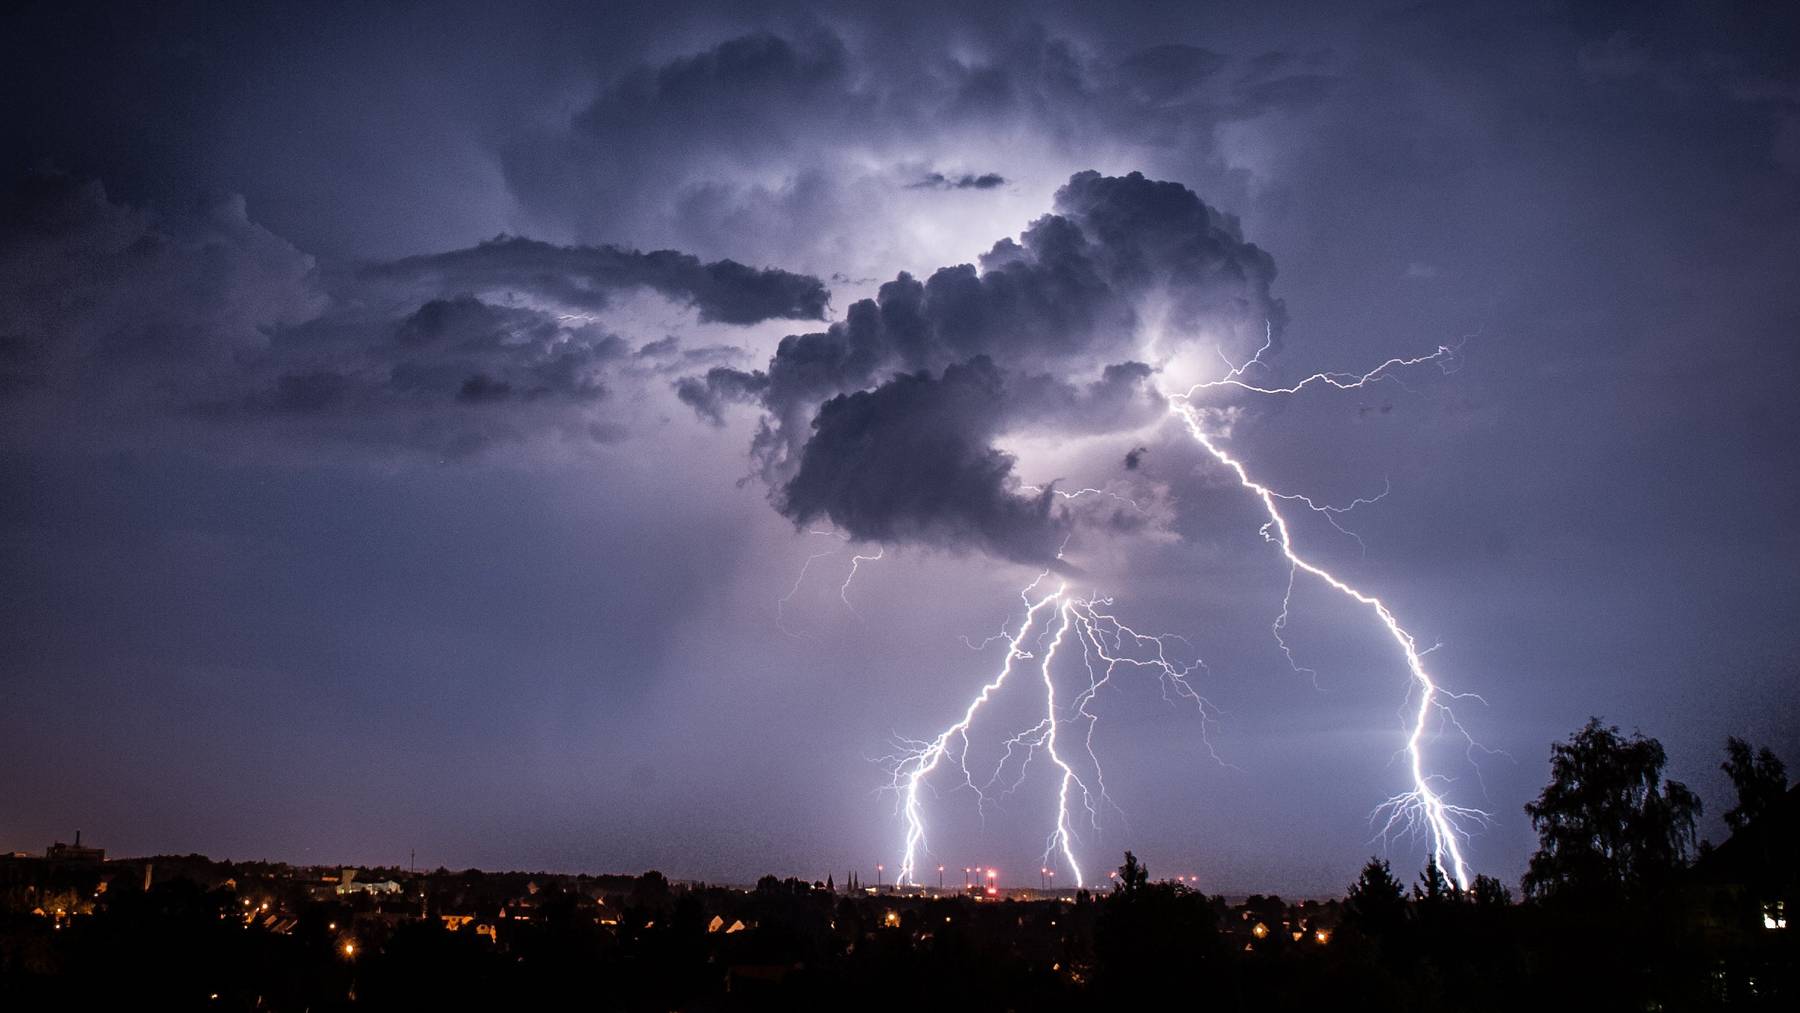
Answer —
1078 493
855 562
781 603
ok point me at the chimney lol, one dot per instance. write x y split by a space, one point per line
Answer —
78 838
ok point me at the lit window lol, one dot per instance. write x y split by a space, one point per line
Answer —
1775 914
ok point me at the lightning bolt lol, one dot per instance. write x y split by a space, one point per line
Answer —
781 603
1423 806
855 562
1078 493
1061 838
920 759
1106 643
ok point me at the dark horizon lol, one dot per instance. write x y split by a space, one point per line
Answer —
674 876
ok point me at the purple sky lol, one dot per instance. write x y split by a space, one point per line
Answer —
335 526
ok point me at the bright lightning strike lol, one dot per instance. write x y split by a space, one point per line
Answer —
922 758
1106 643
1423 806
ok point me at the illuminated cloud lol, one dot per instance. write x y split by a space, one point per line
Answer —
1043 337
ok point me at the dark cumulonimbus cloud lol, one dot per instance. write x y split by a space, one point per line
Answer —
743 147
966 181
912 461
206 314
585 276
885 423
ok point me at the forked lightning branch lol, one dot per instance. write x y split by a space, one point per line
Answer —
1056 623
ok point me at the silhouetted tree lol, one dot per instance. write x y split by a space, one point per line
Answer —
1151 938
1376 903
650 891
1434 887
1607 822
1759 777
1488 892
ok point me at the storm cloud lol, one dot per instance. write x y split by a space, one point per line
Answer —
743 141
911 462
204 313
1041 336
966 181
583 277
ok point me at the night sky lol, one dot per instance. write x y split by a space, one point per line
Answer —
451 427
